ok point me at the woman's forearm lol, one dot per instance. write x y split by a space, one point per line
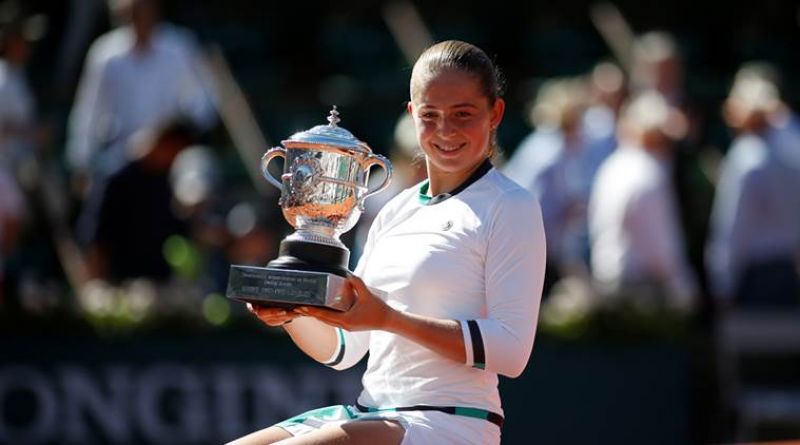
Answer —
441 336
317 339
368 312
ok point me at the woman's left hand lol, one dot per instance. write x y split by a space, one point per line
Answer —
368 312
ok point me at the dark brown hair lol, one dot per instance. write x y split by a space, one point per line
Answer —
461 56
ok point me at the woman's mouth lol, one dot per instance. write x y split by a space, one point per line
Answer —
449 148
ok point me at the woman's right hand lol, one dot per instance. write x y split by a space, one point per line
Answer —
272 316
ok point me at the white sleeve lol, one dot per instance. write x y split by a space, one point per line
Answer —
515 262
352 347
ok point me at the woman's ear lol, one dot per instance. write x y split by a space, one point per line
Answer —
498 110
410 109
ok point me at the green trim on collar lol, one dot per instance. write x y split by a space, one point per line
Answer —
423 196
425 199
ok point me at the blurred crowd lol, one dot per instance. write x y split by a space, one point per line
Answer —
637 212
139 217
129 212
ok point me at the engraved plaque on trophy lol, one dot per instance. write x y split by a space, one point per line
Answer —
323 188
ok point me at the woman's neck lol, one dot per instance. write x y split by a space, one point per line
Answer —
445 182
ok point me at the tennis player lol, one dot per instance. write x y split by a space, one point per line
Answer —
450 282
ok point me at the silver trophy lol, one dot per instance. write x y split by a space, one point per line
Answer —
323 188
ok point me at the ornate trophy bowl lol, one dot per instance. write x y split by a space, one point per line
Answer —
323 188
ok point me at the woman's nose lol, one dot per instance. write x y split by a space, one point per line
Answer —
446 127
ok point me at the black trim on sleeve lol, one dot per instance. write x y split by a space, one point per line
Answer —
478 353
340 355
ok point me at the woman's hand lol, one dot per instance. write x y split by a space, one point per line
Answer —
367 312
272 316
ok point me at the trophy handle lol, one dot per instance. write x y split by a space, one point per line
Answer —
266 159
373 159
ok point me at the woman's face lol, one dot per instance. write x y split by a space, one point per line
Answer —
454 121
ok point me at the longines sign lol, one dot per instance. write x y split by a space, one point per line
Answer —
159 402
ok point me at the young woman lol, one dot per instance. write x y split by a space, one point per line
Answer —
451 279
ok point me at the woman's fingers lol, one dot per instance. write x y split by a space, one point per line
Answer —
358 285
272 316
328 316
363 309
315 312
346 297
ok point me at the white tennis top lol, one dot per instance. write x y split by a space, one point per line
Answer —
477 257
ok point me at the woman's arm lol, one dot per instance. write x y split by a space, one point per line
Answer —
313 337
441 336
369 312
502 341
324 343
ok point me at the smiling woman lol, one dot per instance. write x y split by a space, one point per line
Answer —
456 105
451 279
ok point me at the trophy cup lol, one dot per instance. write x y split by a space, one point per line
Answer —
323 188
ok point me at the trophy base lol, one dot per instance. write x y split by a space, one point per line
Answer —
313 257
305 274
284 288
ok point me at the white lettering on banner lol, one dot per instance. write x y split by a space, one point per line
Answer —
185 418
228 389
159 403
104 399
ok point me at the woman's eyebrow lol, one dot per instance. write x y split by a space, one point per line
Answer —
459 105
463 105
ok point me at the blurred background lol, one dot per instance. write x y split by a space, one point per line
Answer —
660 138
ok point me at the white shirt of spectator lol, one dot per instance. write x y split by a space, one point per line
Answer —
634 228
756 214
124 89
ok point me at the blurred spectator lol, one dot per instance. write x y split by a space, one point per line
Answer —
658 65
138 75
607 91
201 201
784 123
17 113
558 162
408 168
636 238
136 214
17 120
755 239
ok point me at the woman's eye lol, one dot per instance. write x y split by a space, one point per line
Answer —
463 114
427 115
